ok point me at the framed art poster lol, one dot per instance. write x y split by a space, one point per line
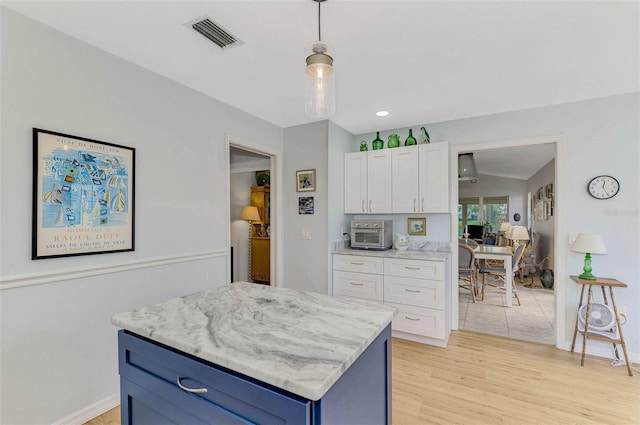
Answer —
83 196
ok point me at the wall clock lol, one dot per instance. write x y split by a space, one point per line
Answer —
603 187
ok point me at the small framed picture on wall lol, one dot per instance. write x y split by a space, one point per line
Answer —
306 180
305 205
417 226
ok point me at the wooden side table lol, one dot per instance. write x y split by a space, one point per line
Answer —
614 339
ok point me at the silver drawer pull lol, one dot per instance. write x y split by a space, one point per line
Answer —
411 290
190 390
357 264
411 268
411 318
356 284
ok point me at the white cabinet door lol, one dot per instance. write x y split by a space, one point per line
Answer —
379 181
355 183
404 169
434 177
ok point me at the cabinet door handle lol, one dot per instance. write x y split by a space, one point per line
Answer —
413 291
422 204
357 264
414 204
412 318
411 268
363 210
356 284
369 205
190 390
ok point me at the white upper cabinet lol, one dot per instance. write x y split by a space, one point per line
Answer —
404 170
379 181
367 182
434 177
355 183
405 180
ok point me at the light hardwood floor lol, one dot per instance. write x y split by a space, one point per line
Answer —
483 379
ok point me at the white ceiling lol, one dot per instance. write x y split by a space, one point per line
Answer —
424 61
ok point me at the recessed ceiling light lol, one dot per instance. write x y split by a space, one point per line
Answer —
382 113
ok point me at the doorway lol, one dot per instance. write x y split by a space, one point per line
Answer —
252 214
539 317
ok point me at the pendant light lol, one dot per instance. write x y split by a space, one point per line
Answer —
467 168
319 80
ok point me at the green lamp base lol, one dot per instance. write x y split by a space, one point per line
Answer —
586 270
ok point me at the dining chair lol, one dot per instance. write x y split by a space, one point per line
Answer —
492 274
467 271
469 242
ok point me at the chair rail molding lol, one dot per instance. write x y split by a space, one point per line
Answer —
10 282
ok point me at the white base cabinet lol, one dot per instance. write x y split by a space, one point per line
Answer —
417 288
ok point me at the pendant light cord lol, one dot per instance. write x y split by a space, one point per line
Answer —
319 38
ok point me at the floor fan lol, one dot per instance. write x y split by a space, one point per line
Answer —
602 319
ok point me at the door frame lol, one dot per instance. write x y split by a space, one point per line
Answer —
275 167
559 255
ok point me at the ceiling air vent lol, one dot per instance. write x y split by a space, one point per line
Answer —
214 32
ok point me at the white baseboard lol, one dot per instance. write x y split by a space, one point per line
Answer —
90 412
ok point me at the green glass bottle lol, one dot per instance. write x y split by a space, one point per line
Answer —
394 141
410 140
363 146
377 142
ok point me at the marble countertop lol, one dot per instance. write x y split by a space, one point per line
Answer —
299 341
394 253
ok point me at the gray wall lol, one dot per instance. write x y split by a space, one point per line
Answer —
306 260
545 228
515 189
58 348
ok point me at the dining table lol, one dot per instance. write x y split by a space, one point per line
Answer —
502 253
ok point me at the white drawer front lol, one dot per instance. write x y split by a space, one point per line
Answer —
419 321
419 269
358 285
416 292
358 263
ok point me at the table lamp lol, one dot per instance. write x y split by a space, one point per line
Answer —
588 243
517 233
250 214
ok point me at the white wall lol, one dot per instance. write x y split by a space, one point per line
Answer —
306 260
598 136
58 348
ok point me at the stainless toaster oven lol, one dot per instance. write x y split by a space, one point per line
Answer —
372 234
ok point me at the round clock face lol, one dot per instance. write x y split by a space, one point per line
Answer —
603 187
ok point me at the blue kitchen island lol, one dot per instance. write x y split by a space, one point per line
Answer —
254 354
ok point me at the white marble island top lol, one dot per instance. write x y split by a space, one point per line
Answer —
299 341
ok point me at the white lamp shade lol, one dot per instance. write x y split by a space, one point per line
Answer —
504 226
250 214
517 233
589 243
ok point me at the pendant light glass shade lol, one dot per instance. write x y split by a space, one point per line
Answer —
319 81
467 167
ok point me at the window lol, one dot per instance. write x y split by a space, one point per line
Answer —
468 213
495 210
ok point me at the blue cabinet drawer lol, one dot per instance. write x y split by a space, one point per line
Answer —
150 373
